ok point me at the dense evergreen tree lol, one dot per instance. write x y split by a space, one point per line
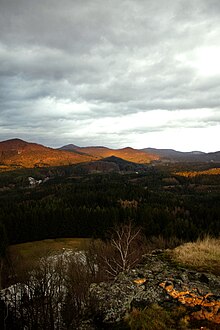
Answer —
88 206
3 249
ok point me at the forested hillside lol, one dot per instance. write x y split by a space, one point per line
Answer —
160 201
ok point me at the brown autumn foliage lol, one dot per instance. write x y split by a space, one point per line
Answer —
129 154
18 153
189 174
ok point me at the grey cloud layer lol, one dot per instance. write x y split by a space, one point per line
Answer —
106 58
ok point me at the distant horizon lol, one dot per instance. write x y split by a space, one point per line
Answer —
112 73
37 141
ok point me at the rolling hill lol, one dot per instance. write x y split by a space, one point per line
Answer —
129 154
18 153
108 165
178 156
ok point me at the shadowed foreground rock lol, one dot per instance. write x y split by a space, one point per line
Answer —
157 281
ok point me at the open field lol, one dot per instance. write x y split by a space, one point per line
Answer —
24 256
34 250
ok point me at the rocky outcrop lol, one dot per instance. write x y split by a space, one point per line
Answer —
158 280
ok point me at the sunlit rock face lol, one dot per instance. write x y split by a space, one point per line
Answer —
208 304
157 281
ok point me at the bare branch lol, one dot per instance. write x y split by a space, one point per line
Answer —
125 242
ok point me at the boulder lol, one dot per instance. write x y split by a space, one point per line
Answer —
158 281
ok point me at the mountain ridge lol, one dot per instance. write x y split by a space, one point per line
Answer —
16 153
20 153
127 153
190 156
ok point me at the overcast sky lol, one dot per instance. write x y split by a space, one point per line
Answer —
141 73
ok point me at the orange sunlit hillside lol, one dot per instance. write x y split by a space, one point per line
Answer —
189 174
129 154
19 153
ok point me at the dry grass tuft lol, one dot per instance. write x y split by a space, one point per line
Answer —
204 254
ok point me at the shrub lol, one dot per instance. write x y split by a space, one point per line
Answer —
151 318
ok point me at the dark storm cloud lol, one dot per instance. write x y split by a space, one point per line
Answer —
67 65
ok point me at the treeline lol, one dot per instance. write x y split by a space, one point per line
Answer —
89 206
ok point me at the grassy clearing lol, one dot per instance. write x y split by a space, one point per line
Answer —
25 256
203 255
47 246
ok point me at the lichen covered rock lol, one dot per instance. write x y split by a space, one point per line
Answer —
157 281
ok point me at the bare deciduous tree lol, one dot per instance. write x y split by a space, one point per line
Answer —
124 250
